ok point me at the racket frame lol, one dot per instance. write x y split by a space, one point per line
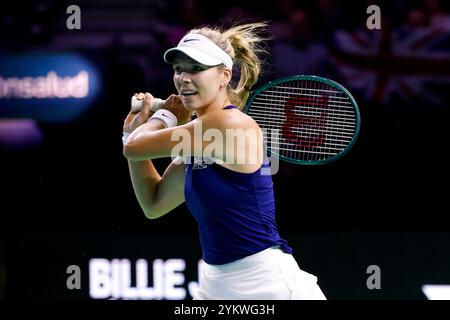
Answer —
326 81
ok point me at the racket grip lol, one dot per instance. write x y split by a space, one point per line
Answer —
136 105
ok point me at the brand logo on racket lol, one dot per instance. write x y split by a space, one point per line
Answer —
307 117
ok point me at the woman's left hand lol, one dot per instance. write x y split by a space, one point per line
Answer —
174 104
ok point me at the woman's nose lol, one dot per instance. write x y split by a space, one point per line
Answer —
184 77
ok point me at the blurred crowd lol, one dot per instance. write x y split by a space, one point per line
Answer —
302 32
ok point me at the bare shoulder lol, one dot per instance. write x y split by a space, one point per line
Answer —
244 152
231 119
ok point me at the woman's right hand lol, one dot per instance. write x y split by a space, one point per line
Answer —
135 119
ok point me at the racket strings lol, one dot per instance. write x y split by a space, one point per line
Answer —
305 120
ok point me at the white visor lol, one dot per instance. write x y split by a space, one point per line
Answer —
201 49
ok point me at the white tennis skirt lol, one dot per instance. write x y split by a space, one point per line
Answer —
267 275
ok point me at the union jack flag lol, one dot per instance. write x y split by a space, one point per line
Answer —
387 65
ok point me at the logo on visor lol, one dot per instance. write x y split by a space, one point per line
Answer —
187 40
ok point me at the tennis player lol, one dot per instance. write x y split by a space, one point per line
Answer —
232 201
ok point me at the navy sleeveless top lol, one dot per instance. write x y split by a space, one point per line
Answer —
235 211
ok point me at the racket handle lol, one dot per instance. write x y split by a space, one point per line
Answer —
136 105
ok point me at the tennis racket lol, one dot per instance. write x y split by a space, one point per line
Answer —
305 119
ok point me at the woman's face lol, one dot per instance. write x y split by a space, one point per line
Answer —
198 85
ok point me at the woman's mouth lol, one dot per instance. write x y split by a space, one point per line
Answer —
188 93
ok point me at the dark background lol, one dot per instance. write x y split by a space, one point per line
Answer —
74 181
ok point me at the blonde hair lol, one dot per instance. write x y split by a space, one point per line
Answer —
243 44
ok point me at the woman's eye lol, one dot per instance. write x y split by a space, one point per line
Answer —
190 69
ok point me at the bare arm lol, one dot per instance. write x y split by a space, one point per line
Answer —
191 140
157 195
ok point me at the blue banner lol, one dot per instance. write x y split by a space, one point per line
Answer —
46 87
